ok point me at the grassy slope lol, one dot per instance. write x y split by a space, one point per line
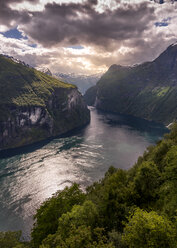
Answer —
23 86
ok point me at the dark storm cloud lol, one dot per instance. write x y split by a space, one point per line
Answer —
163 1
8 15
80 23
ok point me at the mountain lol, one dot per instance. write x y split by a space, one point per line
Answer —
35 106
148 90
18 61
90 95
83 82
44 70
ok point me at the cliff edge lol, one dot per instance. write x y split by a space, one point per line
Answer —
35 106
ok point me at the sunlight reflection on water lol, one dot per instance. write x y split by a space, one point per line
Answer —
27 179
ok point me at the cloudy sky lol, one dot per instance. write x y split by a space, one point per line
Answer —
86 37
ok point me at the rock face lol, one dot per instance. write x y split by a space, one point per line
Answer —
148 90
36 106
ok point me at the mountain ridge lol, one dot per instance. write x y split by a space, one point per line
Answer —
83 82
147 90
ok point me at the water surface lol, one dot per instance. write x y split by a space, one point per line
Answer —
30 175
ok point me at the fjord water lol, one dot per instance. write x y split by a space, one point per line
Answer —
30 175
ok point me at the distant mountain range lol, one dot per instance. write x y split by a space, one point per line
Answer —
44 70
148 90
83 82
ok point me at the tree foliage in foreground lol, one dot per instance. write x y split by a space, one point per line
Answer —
149 230
12 240
126 209
50 211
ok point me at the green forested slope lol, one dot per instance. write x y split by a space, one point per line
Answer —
147 90
24 86
126 209
35 106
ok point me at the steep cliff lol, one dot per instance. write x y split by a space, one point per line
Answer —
35 106
148 90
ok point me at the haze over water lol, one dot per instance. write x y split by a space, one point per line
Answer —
33 174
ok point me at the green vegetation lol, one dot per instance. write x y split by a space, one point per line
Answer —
160 91
12 239
24 86
50 211
148 90
126 209
149 230
35 106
